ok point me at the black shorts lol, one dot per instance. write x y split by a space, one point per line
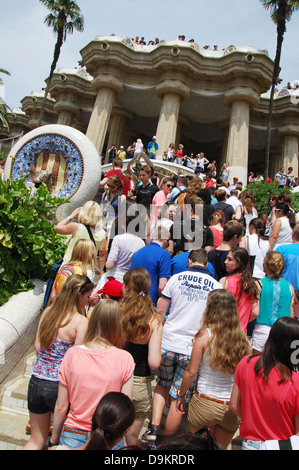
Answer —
42 395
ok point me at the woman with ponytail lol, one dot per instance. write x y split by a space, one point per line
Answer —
61 326
281 233
241 284
111 420
257 246
142 329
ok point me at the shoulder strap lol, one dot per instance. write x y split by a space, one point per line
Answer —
90 234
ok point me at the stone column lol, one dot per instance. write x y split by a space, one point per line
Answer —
240 100
172 95
107 88
67 112
182 122
117 132
290 152
275 161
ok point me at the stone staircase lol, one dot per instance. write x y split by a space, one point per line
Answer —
13 408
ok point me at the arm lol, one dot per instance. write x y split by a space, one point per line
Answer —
60 412
154 345
292 308
255 310
66 227
162 284
199 347
162 307
127 387
274 233
235 400
104 181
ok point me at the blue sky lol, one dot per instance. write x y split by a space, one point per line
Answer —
26 47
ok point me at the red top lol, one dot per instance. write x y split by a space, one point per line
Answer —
125 179
268 409
244 304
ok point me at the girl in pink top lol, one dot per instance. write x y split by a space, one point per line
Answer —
88 372
242 285
266 391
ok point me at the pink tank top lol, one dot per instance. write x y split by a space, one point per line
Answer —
244 304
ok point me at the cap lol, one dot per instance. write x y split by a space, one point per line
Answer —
112 288
235 178
154 137
121 147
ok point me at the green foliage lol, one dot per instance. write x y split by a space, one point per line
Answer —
29 246
262 192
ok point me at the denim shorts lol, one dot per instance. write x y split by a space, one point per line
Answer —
42 395
247 444
73 440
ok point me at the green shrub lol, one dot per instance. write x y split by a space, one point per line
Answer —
262 192
29 245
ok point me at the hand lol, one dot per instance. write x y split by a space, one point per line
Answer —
181 405
94 299
76 212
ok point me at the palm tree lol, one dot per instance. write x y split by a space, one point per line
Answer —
3 107
281 12
65 17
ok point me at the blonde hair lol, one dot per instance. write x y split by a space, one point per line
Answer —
137 307
90 214
64 308
217 218
275 263
84 254
105 324
228 343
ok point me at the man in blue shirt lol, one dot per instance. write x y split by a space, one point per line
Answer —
152 148
156 260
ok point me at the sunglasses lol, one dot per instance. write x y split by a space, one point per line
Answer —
110 186
169 185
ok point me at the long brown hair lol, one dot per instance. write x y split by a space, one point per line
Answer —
137 307
105 324
246 283
62 311
228 343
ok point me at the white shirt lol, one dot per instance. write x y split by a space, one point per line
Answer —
188 292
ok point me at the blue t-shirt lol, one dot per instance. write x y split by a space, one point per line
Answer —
179 263
157 261
291 267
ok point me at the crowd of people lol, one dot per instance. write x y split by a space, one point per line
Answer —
175 296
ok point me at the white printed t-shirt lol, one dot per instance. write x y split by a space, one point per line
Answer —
188 292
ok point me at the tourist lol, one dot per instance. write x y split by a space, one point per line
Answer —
291 257
249 209
234 201
281 178
110 422
273 201
213 361
82 262
257 246
89 371
169 153
121 153
186 294
160 198
222 205
233 184
240 283
224 172
156 260
208 207
251 178
217 222
121 253
61 326
265 393
152 148
117 165
201 162
138 147
276 299
142 336
89 217
281 233
212 168
232 233
112 153
145 192
179 155
179 191
209 182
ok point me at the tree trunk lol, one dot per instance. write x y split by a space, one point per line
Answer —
56 55
281 28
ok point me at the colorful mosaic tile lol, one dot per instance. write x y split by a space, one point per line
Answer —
54 154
